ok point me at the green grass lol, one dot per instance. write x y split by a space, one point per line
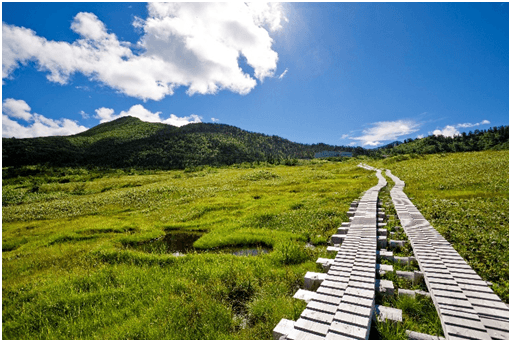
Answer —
419 314
465 196
72 267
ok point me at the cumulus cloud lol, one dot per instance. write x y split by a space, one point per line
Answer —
178 121
18 109
386 131
452 131
283 74
215 119
468 125
40 126
88 26
447 131
138 111
105 114
196 45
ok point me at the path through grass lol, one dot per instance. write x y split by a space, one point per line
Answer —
465 196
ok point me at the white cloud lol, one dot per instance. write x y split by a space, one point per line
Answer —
40 127
386 131
86 88
18 109
84 115
196 45
451 131
447 131
345 136
105 114
215 119
88 26
143 114
138 111
420 136
177 121
468 125
283 74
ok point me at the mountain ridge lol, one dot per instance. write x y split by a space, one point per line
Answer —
129 141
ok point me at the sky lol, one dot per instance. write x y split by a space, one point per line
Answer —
351 74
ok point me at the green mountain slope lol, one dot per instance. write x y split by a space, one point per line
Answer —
495 138
128 142
124 129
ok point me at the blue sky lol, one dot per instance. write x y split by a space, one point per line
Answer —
359 74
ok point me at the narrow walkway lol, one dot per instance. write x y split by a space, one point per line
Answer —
467 307
343 305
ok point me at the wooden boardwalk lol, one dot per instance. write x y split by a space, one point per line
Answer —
467 307
343 305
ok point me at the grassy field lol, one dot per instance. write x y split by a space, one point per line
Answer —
73 266
80 260
465 196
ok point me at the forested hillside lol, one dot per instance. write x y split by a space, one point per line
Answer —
496 138
128 142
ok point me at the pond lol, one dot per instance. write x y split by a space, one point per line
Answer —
180 242
245 251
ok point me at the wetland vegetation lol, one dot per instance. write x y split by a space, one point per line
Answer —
83 254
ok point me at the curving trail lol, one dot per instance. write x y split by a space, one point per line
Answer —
343 305
467 307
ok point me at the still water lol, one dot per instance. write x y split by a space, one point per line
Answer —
180 242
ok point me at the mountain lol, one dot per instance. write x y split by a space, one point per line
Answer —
130 142
390 145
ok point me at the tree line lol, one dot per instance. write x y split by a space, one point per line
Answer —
130 142
495 138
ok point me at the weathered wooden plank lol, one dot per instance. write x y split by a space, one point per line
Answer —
327 299
301 335
462 298
355 309
312 326
334 284
319 316
336 336
448 294
456 332
321 306
330 291
349 299
349 330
